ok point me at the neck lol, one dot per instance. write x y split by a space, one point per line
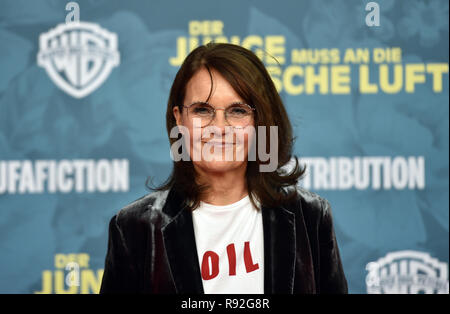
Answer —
224 187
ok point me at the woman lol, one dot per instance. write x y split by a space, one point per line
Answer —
223 223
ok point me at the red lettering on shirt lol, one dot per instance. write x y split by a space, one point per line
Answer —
208 274
231 252
249 266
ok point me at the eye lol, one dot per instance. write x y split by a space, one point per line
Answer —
201 109
239 110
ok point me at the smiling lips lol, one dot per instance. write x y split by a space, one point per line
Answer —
218 144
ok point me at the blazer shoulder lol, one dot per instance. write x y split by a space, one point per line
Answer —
142 207
312 204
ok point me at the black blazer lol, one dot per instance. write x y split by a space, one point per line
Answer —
151 248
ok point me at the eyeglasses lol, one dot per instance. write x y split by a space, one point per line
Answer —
238 114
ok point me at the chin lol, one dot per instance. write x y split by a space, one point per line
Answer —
220 166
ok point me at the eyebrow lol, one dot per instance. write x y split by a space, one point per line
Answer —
239 102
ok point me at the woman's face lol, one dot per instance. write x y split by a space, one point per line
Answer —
217 147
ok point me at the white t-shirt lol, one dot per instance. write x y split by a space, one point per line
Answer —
230 247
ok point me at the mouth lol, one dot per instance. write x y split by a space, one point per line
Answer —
218 144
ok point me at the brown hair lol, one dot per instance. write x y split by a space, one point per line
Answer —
248 76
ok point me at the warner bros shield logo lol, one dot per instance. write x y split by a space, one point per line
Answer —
78 56
407 272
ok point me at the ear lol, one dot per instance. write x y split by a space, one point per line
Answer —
177 115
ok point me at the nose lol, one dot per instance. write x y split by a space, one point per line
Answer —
218 125
219 119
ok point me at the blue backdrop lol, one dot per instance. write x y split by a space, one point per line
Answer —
83 93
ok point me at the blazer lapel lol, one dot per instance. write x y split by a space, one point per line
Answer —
179 241
279 250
